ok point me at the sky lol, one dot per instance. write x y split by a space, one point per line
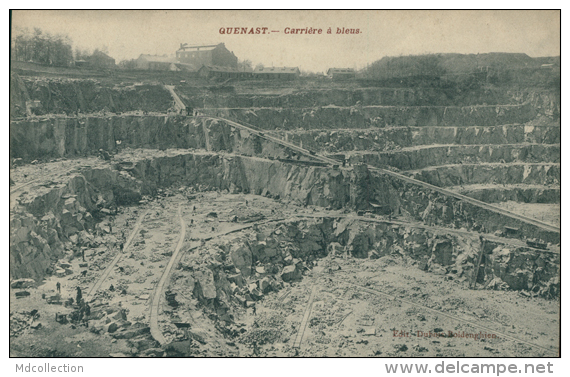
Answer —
127 34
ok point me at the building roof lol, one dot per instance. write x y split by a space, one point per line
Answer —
276 70
158 58
186 47
216 68
340 70
100 55
187 66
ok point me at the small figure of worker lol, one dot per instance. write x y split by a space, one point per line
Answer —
58 287
79 296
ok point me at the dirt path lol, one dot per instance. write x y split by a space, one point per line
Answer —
155 303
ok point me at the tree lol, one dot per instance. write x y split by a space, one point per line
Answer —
82 54
41 47
128 64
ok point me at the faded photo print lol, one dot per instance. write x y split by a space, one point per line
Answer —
284 184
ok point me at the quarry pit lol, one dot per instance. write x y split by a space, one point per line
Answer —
281 219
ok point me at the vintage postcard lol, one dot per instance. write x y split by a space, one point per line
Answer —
284 184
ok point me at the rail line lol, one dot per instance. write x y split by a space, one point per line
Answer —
305 321
178 104
464 233
478 203
176 256
119 255
155 302
157 334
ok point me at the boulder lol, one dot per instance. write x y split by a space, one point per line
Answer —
133 331
153 352
260 270
443 252
142 344
110 327
60 273
335 248
265 284
240 299
237 279
204 287
291 273
23 283
120 315
242 258
64 265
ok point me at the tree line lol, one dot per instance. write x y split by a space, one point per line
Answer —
40 47
51 49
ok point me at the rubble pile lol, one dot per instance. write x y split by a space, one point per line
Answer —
62 220
40 233
21 321
278 248
237 275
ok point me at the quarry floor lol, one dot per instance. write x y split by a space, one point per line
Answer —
344 317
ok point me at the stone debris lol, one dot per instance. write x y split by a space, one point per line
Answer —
283 251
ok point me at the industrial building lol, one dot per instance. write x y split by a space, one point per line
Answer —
282 73
209 55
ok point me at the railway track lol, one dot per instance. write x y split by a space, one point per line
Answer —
459 232
157 295
305 321
176 256
330 161
115 260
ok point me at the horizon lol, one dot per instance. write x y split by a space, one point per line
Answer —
128 34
